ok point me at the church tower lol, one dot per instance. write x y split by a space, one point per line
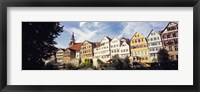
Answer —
72 40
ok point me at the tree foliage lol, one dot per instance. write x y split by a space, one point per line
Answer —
88 63
38 43
163 55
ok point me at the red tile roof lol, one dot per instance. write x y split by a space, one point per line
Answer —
76 46
96 44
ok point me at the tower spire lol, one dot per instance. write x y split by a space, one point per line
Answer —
72 37
72 40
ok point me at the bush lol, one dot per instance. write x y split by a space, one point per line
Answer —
87 64
69 66
51 66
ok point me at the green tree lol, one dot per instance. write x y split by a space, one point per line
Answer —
163 55
99 62
38 43
154 60
116 58
70 66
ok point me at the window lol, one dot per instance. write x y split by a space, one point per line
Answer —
154 38
171 35
176 48
151 54
156 49
151 39
158 38
177 34
138 40
146 58
168 36
174 35
173 28
165 36
169 28
170 48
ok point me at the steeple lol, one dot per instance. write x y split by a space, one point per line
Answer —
72 40
72 37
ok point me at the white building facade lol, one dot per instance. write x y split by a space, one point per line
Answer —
124 48
115 47
102 52
154 45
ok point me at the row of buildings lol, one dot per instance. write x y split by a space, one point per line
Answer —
139 48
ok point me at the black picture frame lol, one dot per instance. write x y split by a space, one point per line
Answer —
98 3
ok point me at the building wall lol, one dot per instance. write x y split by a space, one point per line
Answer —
139 48
170 40
68 55
154 44
86 51
103 51
124 50
59 55
115 47
77 54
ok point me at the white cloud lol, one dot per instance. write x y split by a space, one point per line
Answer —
81 23
129 28
60 46
87 31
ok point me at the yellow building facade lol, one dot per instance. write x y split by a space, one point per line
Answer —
139 49
86 51
60 55
69 55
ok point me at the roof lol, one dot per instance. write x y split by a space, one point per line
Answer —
96 44
137 33
76 46
150 33
61 49
168 25
107 38
70 49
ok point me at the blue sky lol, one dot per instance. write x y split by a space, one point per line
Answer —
95 31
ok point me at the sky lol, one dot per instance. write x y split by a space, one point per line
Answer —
95 31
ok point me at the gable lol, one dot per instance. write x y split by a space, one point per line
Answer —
153 34
114 40
169 25
137 35
105 39
85 42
